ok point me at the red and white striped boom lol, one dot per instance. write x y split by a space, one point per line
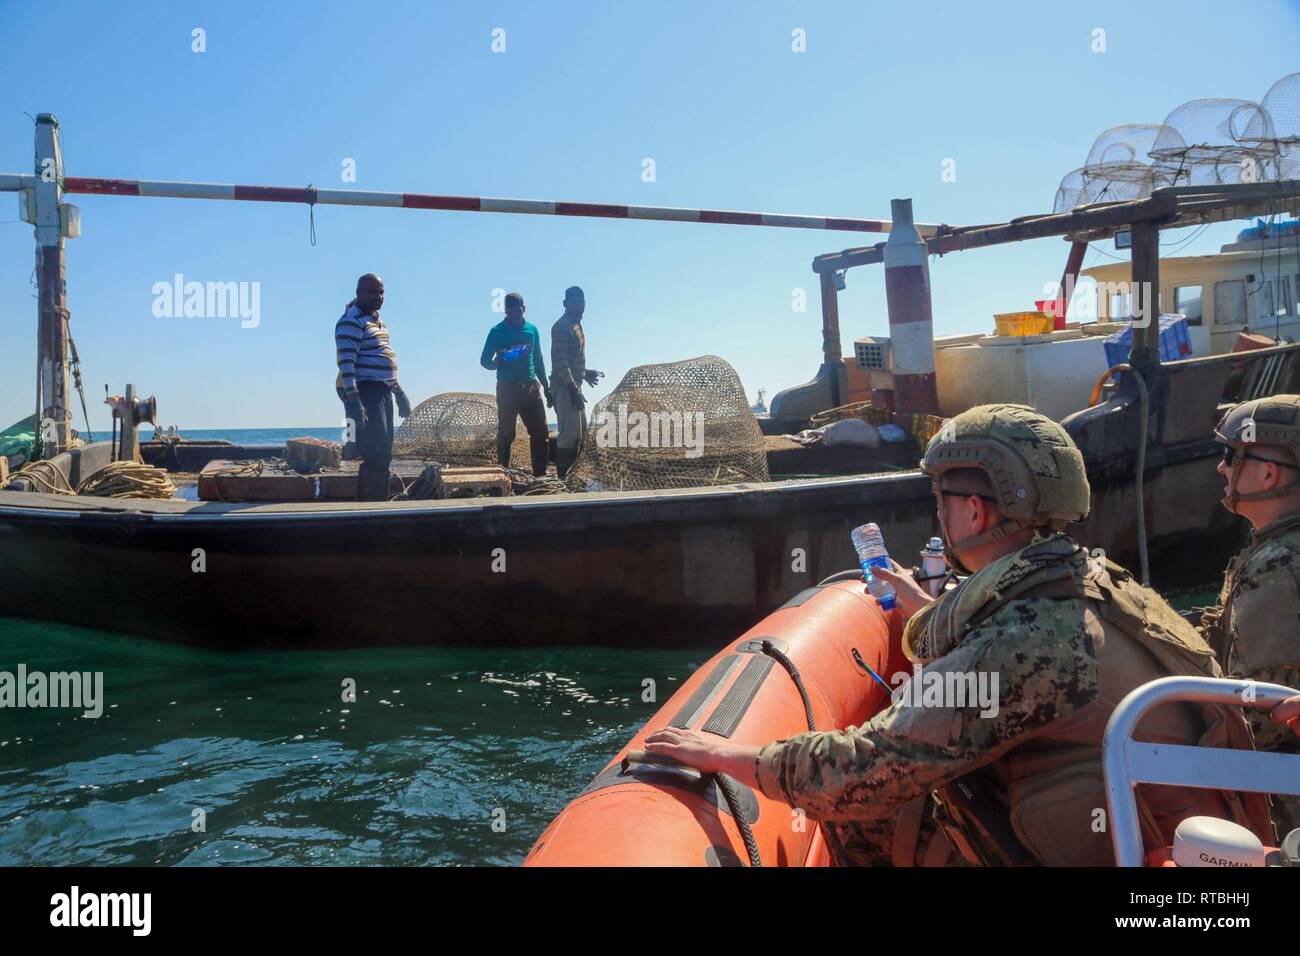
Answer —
535 207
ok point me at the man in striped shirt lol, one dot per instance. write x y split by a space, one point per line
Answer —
367 383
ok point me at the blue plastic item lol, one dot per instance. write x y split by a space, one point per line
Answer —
1175 341
515 352
869 543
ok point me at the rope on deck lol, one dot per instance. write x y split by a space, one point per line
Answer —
47 477
119 479
128 479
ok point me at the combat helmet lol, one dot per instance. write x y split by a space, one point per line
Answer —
1036 470
1274 420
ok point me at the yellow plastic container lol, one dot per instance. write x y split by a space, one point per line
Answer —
1023 323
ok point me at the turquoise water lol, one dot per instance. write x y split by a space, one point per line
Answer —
261 436
439 745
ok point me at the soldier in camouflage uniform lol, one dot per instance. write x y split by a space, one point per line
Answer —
1067 637
1256 625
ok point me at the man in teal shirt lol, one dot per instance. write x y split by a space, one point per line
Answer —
513 348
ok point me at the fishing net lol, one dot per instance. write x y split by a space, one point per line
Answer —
1118 169
1207 142
675 425
1277 123
457 428
1204 143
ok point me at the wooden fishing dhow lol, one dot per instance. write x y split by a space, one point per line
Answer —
654 567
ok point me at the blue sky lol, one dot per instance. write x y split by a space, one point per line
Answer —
732 117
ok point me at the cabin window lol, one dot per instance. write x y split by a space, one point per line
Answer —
1120 310
1284 295
1230 302
1261 299
1187 301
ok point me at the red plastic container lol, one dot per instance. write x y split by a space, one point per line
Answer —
1055 308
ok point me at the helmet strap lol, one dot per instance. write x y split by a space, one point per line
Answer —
1233 496
1000 531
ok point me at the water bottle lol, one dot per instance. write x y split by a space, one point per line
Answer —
514 352
870 545
934 566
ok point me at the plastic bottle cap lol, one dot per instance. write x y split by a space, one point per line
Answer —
1209 841
935 544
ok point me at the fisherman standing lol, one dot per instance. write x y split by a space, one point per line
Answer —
568 372
1066 636
367 383
1256 625
514 349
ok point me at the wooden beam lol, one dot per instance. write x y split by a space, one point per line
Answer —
1144 295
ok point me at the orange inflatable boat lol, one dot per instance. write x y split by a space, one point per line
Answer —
643 811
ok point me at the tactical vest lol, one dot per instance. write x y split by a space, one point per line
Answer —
1272 607
1012 812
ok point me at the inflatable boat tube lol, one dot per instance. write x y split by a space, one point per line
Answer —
644 811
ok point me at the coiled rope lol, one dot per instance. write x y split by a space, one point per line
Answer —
47 477
119 479
546 486
247 469
128 479
728 789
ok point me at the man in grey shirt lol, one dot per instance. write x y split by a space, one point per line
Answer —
568 372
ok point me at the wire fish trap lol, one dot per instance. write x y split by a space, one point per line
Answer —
675 425
457 428
1215 142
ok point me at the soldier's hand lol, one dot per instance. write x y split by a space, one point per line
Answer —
706 752
910 596
592 377
550 399
1287 714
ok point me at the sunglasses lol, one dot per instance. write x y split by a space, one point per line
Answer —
963 494
1230 455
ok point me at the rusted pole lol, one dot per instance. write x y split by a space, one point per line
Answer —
831 347
832 353
55 417
911 322
1070 277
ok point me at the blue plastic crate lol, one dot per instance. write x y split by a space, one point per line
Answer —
1175 341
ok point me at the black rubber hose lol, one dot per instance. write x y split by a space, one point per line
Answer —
852 574
779 656
768 648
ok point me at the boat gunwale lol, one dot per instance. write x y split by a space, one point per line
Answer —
12 502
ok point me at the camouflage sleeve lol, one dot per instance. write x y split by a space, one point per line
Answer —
1268 735
1029 665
